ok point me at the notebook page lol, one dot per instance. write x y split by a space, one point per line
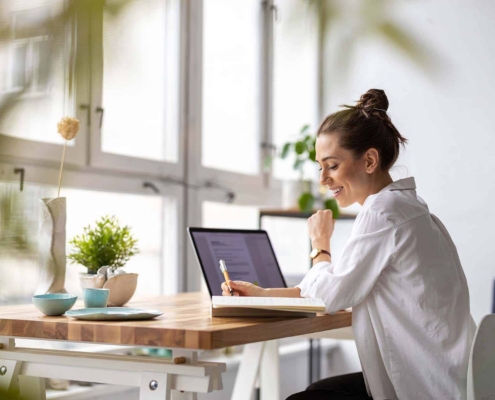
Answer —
268 302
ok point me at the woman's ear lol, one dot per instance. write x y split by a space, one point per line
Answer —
372 160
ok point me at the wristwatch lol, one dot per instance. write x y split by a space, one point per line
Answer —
314 253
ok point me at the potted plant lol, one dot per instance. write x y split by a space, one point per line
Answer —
104 250
304 151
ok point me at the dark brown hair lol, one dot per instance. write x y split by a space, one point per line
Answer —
366 125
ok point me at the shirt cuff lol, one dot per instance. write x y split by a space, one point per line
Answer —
311 277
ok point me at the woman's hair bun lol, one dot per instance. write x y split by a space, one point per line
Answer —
373 99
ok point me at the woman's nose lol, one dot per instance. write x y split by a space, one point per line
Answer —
323 178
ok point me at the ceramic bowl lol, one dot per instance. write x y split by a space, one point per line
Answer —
54 303
122 288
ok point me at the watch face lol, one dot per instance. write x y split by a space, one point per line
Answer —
314 253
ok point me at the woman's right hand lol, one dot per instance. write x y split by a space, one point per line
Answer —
241 288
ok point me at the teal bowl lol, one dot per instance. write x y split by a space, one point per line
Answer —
54 303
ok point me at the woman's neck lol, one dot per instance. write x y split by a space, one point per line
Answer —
376 184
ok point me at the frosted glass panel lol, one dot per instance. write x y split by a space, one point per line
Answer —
34 56
140 79
232 216
295 76
231 139
146 216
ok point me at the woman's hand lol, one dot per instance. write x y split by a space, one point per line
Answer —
320 227
241 288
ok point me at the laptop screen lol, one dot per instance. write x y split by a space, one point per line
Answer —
248 256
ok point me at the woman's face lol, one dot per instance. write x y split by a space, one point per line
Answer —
344 175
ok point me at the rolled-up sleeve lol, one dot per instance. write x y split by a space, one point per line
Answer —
367 253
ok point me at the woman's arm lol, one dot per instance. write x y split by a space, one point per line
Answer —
241 288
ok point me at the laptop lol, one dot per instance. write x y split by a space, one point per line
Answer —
248 255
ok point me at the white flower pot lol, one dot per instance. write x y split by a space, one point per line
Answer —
292 190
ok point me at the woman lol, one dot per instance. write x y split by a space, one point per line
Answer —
399 270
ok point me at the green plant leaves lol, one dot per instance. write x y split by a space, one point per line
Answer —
304 129
331 204
107 244
285 150
312 155
300 147
306 201
298 164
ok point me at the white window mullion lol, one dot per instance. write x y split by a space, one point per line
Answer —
269 14
296 80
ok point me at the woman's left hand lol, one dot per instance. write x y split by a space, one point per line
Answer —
320 227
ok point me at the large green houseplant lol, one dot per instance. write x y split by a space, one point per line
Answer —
303 149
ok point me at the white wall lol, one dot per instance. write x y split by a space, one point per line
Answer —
447 117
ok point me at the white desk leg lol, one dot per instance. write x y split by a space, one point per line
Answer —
270 372
9 369
155 386
191 358
32 388
248 371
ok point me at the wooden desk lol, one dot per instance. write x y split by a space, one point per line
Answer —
185 326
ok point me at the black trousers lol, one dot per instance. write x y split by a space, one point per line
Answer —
343 387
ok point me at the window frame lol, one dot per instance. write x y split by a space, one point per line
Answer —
87 167
123 163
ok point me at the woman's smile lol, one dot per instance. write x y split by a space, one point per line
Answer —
336 190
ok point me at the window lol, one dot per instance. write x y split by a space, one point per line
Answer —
140 79
295 76
231 85
230 216
33 70
175 101
146 215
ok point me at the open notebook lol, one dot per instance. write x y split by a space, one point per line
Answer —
236 306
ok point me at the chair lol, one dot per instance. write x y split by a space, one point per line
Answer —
481 367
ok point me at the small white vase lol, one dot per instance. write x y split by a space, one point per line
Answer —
52 261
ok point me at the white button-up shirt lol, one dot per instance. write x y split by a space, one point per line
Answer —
401 273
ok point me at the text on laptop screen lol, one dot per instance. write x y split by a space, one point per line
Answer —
248 257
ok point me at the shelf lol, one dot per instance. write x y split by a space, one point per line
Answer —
296 213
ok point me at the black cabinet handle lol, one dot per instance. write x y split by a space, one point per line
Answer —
20 171
101 111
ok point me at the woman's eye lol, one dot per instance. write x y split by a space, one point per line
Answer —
329 168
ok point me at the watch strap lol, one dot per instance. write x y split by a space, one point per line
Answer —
318 251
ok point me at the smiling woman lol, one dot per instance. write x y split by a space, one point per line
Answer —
399 271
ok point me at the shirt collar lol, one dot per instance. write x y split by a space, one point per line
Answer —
401 184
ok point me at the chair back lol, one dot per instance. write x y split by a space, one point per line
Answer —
481 368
